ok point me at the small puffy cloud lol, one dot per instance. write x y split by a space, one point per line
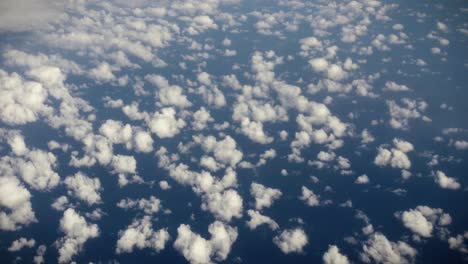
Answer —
416 222
143 142
378 249
423 219
264 196
201 118
76 232
395 157
198 250
367 137
165 124
140 234
84 188
309 197
363 179
333 256
17 144
445 181
20 243
225 151
15 203
400 115
164 185
224 205
40 252
461 144
124 164
102 73
200 24
148 206
21 101
319 64
393 86
257 219
291 241
37 169
336 73
61 203
168 94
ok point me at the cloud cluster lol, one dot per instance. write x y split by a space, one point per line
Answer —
76 232
197 249
140 234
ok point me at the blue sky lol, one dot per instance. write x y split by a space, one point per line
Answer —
233 131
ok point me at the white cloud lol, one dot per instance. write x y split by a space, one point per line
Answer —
319 64
379 249
168 94
20 243
446 182
264 196
102 72
395 157
257 219
423 220
198 250
148 206
140 234
165 124
143 142
21 101
392 86
84 188
363 179
225 151
15 202
25 15
124 164
77 231
417 223
201 118
333 256
309 197
461 144
224 205
291 240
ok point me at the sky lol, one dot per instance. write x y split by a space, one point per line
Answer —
233 131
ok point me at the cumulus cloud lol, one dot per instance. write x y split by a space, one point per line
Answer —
423 219
224 205
264 196
446 182
168 94
20 243
165 124
309 197
140 234
76 232
15 203
84 188
363 179
225 150
197 249
257 219
148 206
379 249
291 240
21 101
333 256
395 157
124 164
